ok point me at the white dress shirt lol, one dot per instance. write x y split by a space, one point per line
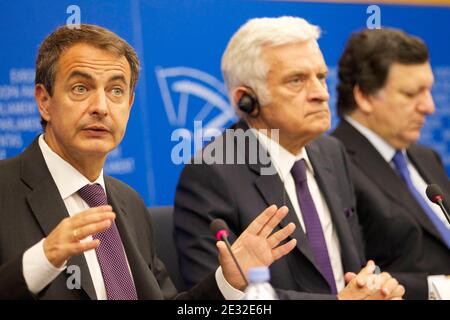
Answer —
38 271
283 162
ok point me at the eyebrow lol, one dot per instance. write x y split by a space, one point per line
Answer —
81 74
304 73
118 77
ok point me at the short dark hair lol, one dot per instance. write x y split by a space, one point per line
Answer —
366 60
66 37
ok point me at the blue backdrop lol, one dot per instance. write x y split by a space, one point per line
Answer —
180 44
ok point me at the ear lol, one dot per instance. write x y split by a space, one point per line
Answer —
43 101
364 101
237 94
132 99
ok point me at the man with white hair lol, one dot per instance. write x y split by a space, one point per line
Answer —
276 77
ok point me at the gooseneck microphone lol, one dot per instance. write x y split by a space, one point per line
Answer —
434 194
220 230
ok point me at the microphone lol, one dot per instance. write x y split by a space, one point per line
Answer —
220 230
434 194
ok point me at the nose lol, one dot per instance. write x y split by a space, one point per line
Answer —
318 91
99 104
426 104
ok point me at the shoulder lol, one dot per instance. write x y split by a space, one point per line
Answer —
327 144
115 185
10 169
424 154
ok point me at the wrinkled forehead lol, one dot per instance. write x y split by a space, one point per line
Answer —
90 59
304 55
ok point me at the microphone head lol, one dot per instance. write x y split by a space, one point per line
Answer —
434 193
219 228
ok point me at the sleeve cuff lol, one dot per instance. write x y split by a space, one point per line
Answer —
227 290
37 270
430 279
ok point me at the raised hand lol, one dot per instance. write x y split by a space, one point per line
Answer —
64 241
257 246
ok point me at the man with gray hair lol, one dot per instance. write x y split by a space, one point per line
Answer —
276 77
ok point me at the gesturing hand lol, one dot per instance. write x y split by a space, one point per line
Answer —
64 241
257 246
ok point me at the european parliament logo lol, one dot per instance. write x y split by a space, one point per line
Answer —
191 96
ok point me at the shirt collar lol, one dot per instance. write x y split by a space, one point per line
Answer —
383 148
68 180
282 159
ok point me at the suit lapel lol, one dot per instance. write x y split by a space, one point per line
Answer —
47 206
369 160
326 180
273 192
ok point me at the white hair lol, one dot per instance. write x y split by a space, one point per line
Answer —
242 61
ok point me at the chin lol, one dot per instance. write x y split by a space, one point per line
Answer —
97 148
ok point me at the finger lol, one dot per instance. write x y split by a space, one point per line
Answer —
274 221
283 249
92 229
260 221
389 286
223 251
349 276
280 235
384 278
79 220
398 292
80 247
361 277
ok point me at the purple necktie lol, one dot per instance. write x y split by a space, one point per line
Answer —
313 227
110 253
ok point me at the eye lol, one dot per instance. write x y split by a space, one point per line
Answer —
79 89
296 81
322 78
117 91
410 94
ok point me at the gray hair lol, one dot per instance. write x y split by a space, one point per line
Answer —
242 61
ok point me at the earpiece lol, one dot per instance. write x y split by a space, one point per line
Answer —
248 103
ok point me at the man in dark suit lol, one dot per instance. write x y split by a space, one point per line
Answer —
275 74
384 96
58 210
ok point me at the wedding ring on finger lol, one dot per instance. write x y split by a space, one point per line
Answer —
75 234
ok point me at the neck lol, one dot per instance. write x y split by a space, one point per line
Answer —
360 118
89 166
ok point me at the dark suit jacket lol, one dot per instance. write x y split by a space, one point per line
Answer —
398 234
237 193
31 207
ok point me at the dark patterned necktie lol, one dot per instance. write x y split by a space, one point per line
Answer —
110 253
402 168
313 227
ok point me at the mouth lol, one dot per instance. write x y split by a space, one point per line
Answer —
324 111
97 130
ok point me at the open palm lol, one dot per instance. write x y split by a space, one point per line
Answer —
257 246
